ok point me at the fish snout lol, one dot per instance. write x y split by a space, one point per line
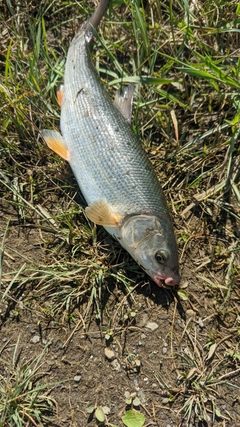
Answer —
169 280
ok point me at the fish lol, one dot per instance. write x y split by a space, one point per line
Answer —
112 169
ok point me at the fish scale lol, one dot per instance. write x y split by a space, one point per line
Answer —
110 161
111 167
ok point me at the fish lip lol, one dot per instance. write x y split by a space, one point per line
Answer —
165 281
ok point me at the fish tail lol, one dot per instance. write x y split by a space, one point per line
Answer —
96 17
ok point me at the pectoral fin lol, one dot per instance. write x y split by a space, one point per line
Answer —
56 142
100 213
123 101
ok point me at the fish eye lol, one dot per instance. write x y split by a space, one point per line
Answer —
161 256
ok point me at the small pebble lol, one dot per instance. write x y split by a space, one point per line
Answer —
164 350
77 378
190 313
136 401
116 365
152 326
35 339
106 410
109 354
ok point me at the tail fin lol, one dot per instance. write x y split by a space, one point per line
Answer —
97 15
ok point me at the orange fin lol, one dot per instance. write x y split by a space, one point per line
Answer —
60 95
100 213
56 142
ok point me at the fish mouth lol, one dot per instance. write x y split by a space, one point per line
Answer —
168 281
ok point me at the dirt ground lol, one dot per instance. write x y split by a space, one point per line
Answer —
146 359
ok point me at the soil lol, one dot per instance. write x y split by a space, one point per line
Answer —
151 331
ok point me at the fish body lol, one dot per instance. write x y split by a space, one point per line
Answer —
111 167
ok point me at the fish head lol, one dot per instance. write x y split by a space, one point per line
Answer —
151 242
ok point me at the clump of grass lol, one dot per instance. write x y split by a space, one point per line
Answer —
200 381
201 373
23 400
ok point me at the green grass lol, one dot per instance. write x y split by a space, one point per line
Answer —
183 58
24 402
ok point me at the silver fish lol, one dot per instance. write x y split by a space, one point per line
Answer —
111 167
